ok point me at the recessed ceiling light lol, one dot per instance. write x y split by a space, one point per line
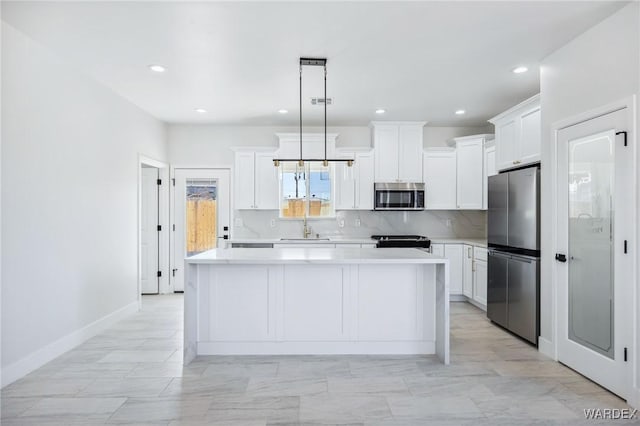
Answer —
157 68
201 110
460 112
283 111
520 70
380 111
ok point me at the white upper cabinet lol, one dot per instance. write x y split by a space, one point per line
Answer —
266 182
470 156
255 181
470 171
354 185
398 151
410 153
518 135
489 170
439 171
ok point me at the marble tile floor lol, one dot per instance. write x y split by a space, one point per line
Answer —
132 375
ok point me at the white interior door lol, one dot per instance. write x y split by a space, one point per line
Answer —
595 230
201 213
149 236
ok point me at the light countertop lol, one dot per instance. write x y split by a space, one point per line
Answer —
254 256
471 241
326 240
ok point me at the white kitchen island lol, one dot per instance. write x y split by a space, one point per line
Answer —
316 301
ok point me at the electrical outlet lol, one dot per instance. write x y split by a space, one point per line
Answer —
238 222
448 223
341 223
273 223
357 223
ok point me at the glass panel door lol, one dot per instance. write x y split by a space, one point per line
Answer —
591 253
201 216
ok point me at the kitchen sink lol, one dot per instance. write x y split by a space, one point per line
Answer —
304 239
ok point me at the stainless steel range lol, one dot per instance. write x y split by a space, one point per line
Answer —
415 241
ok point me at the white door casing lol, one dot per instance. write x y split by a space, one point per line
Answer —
221 179
149 235
595 176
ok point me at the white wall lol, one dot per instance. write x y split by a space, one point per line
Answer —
69 195
202 145
597 68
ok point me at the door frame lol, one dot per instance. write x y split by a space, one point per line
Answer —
163 217
551 348
172 215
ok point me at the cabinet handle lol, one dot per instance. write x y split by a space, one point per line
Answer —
514 162
469 252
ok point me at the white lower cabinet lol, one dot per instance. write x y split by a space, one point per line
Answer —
480 256
480 282
467 271
454 252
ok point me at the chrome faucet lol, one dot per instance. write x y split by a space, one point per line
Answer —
306 229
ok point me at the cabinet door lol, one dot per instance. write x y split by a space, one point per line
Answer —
410 153
345 183
243 180
467 271
480 282
364 182
453 252
437 250
506 144
267 191
530 137
439 173
385 142
470 156
489 170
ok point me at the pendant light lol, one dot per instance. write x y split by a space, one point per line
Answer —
313 62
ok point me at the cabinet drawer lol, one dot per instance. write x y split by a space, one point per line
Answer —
480 253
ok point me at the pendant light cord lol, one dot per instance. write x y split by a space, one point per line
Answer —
300 112
325 112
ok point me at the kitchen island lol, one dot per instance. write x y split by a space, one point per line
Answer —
252 301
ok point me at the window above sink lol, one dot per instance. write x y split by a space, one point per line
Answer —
306 190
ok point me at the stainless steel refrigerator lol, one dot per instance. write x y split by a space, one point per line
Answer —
513 282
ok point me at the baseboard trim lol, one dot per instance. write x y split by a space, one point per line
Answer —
427 347
37 359
634 400
546 347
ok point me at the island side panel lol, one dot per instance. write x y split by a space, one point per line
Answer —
442 312
191 312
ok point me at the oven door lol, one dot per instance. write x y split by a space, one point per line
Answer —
396 199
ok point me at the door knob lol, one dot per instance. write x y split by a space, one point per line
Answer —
561 257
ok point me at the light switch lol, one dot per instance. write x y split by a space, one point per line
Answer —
357 223
273 223
341 223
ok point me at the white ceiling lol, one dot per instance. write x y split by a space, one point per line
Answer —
418 60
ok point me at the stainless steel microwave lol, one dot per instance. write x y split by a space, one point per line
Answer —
398 196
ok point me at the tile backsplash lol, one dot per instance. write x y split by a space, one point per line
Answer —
364 223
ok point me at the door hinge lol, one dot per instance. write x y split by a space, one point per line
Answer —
159 274
173 272
174 227
625 246
159 228
173 181
625 136
625 354
159 181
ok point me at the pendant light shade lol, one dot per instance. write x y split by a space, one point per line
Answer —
314 62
